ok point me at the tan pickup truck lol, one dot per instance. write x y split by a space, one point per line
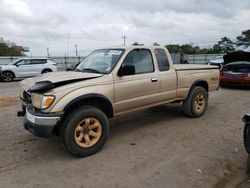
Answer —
76 105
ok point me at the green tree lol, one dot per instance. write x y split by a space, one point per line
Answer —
11 50
226 45
216 49
173 48
244 39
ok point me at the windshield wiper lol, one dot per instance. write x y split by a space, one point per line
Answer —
91 70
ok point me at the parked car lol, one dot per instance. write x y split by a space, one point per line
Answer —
236 69
26 67
108 83
218 60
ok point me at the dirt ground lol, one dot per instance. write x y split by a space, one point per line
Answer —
157 147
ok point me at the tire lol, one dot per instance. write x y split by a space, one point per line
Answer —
248 164
8 76
245 133
46 71
79 126
196 103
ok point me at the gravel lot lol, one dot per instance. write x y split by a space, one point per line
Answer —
158 147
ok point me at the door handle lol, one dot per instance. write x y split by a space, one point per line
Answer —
154 79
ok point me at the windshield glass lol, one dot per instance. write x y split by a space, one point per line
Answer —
15 62
100 61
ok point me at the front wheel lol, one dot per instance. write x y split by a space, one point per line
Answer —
85 131
196 103
7 76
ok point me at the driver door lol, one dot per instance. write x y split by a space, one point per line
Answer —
24 69
142 88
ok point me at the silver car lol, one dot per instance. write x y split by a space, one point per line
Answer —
26 67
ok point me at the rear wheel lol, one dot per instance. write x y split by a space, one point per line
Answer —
7 76
46 71
85 131
196 103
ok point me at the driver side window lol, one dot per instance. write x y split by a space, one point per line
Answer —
141 59
23 62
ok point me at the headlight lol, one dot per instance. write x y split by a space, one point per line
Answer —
42 101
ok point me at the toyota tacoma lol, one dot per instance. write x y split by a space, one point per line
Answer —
77 105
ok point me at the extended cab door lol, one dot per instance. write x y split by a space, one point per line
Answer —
167 76
140 89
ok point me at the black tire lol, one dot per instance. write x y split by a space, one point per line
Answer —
245 133
8 76
189 105
46 71
67 132
248 164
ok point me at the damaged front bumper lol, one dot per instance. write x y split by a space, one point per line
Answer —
39 124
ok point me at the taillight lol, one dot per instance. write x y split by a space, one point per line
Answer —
245 76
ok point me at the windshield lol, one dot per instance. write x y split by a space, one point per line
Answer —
100 61
15 62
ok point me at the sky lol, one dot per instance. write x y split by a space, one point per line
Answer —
59 25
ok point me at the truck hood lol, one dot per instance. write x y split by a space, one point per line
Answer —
236 56
46 82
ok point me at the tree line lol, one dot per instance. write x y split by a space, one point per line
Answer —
224 45
9 49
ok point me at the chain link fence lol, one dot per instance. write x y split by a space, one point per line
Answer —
63 61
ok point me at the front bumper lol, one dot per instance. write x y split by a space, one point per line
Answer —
38 123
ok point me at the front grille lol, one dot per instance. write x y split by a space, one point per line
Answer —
233 75
26 97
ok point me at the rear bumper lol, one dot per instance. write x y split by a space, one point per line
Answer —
38 123
235 81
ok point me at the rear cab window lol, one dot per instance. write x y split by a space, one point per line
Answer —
162 59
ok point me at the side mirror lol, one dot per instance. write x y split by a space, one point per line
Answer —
126 70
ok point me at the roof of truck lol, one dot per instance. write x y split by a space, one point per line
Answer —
135 46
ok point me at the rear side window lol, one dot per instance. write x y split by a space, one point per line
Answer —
141 59
38 61
162 59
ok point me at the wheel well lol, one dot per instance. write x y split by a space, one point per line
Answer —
96 100
10 72
46 69
201 83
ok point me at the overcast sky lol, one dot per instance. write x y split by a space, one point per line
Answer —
42 24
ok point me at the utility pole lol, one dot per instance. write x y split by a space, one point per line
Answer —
47 52
68 44
124 40
76 50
